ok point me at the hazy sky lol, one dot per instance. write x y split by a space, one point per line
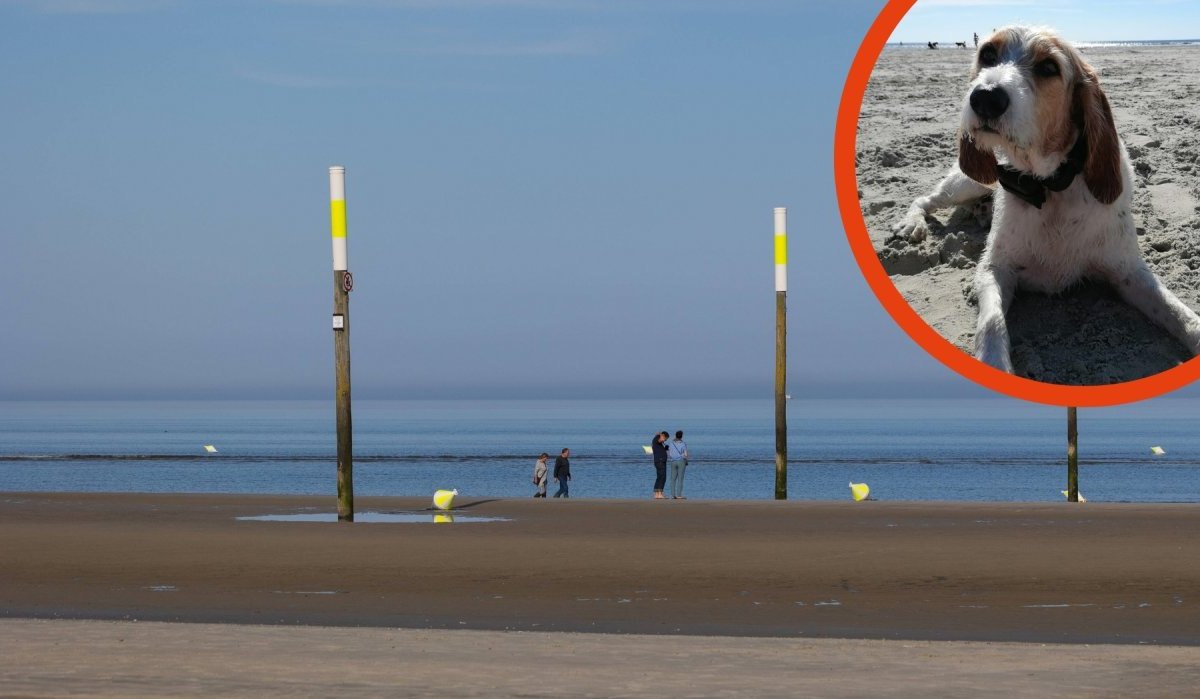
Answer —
567 197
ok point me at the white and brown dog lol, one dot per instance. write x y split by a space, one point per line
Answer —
1035 121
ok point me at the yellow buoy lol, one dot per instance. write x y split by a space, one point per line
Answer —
443 499
859 491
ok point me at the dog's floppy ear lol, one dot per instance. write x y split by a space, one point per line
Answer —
976 163
1102 169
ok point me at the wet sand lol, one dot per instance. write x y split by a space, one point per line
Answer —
1052 572
596 598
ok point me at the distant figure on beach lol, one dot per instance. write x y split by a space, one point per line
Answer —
659 448
931 44
678 454
540 475
976 39
562 473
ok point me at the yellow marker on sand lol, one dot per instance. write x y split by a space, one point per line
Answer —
444 499
859 491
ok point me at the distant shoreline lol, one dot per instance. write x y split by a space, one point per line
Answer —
1080 44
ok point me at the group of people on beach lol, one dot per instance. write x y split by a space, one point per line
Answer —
562 474
675 453
666 451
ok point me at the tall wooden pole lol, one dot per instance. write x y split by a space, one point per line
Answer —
1072 457
343 282
781 353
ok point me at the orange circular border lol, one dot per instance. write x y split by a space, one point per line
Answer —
846 180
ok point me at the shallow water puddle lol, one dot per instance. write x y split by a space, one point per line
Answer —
378 518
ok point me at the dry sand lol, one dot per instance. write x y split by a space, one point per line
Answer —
906 144
784 572
41 658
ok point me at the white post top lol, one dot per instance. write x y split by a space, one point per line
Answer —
337 183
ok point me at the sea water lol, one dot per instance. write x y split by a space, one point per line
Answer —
981 450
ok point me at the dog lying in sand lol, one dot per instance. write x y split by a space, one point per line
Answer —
1035 121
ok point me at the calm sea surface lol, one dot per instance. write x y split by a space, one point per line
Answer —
997 449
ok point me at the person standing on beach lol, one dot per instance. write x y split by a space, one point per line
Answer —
540 474
659 449
562 473
678 454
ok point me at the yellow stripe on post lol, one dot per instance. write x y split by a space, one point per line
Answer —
781 249
337 217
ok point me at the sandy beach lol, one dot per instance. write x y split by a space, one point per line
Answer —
906 144
1117 575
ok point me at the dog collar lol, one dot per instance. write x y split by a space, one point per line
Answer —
1033 189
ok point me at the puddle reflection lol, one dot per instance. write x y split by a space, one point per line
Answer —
378 518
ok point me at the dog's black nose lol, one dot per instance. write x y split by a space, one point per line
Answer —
989 102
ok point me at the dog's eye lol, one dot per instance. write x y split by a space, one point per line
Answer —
1047 68
987 56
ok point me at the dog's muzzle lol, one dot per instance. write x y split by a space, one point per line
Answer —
989 103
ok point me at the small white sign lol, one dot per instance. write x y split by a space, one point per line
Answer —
339 322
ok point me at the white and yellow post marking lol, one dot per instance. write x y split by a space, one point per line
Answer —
780 249
781 353
337 215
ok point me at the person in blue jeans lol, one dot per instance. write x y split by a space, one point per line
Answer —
562 473
678 454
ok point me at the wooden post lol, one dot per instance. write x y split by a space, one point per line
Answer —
1072 457
781 353
343 282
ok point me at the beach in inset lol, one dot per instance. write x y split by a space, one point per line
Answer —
907 141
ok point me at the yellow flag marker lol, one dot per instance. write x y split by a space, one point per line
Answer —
444 499
1081 498
859 491
647 449
210 449
1157 451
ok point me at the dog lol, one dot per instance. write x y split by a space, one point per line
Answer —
961 44
931 44
1037 130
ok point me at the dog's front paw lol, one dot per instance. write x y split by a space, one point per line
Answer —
913 227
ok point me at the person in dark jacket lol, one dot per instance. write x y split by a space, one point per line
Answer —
562 473
659 448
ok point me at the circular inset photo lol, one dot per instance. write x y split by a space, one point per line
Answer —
1031 193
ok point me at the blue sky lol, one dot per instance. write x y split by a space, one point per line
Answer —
569 198
1077 20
